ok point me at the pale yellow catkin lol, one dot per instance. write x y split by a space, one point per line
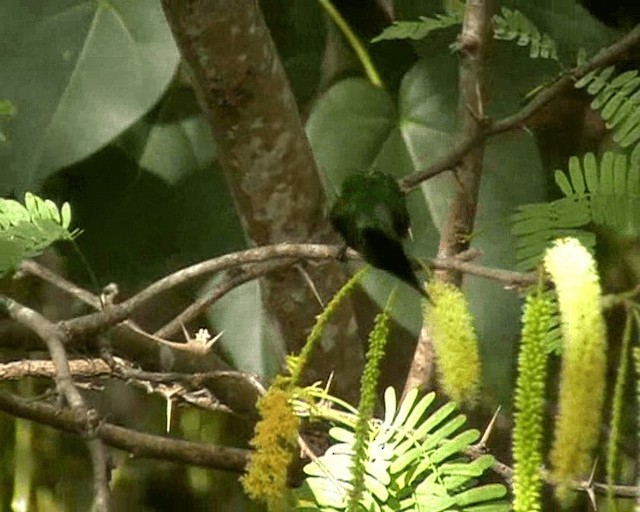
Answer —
582 377
455 342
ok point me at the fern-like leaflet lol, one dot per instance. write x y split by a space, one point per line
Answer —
605 194
512 25
413 463
417 30
26 230
617 100
509 25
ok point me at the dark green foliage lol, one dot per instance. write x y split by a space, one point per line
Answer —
605 193
419 29
511 25
618 13
617 101
371 215
7 110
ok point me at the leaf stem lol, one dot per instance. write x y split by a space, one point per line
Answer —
354 42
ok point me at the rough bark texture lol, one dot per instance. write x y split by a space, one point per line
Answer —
458 226
267 161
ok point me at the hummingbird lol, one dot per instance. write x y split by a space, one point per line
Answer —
372 217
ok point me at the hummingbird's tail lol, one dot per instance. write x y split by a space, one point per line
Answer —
388 254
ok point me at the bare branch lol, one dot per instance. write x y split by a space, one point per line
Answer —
474 41
194 387
136 443
615 53
118 312
54 340
208 299
508 277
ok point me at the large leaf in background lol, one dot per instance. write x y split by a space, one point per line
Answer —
248 338
79 72
356 126
298 30
171 151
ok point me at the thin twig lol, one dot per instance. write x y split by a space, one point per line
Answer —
136 443
191 385
611 55
96 322
508 277
201 304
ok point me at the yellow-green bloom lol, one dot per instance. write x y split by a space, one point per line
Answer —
297 364
368 394
454 338
274 442
582 378
529 404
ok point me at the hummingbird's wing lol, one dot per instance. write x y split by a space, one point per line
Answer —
401 219
342 219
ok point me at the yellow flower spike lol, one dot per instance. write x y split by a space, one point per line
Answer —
274 442
582 376
455 342
298 363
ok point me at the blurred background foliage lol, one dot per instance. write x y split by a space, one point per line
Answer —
105 118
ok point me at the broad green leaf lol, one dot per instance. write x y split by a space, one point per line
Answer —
247 338
299 30
79 73
512 175
174 150
355 111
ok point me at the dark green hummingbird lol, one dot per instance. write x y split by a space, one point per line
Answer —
371 215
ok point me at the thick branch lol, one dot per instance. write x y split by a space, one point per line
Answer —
263 152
